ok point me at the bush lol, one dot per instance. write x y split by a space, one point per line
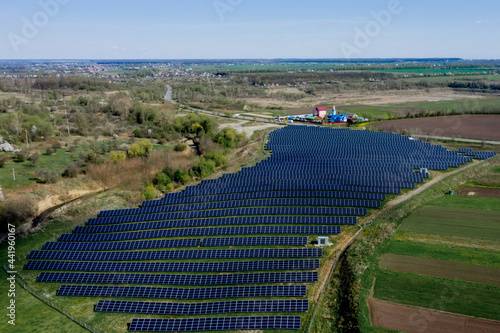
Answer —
149 193
137 133
19 157
49 151
162 179
141 149
33 158
56 145
47 176
182 177
117 156
204 167
180 147
3 158
219 158
72 170
18 210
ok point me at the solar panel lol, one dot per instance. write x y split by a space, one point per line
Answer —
220 266
132 245
182 293
250 241
159 308
180 279
225 231
215 324
176 254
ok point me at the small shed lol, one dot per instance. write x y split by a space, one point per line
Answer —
320 111
323 240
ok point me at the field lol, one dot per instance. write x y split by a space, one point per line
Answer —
478 192
396 316
448 295
436 260
441 268
483 127
454 221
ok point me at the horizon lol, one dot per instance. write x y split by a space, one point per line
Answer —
239 29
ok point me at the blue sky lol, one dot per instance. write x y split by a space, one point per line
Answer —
216 29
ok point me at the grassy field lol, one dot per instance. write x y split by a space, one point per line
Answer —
454 221
468 202
441 268
492 77
458 254
440 294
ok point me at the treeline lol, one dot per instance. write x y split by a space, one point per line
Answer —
74 83
475 85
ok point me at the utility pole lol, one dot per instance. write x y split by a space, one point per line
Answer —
13 174
27 143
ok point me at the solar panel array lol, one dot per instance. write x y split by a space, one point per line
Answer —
180 279
215 324
316 180
182 293
159 308
480 155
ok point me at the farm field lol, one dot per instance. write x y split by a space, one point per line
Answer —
395 316
483 127
439 294
454 221
441 268
469 191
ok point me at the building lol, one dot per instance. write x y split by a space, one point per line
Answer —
320 111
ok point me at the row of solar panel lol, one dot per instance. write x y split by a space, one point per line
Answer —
175 254
344 181
220 266
240 220
224 231
243 203
159 308
176 200
412 177
233 212
193 190
182 293
173 243
215 324
180 279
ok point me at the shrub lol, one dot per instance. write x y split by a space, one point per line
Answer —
49 151
180 147
19 157
47 176
137 133
56 145
18 210
149 193
204 167
141 149
162 179
72 170
33 158
219 158
3 158
182 177
117 156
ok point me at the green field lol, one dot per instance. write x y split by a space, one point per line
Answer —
440 294
443 79
454 221
468 202
459 254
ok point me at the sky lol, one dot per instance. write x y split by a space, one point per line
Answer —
247 29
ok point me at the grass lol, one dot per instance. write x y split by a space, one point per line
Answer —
454 221
458 254
440 294
468 202
32 315
443 79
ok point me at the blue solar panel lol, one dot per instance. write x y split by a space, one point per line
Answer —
159 308
215 324
132 245
180 279
220 266
254 241
225 231
176 254
182 293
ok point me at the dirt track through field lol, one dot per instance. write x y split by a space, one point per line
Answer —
484 127
419 320
441 268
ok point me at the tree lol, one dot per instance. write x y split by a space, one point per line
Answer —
141 149
117 156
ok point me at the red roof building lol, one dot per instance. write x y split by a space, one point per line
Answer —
320 111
